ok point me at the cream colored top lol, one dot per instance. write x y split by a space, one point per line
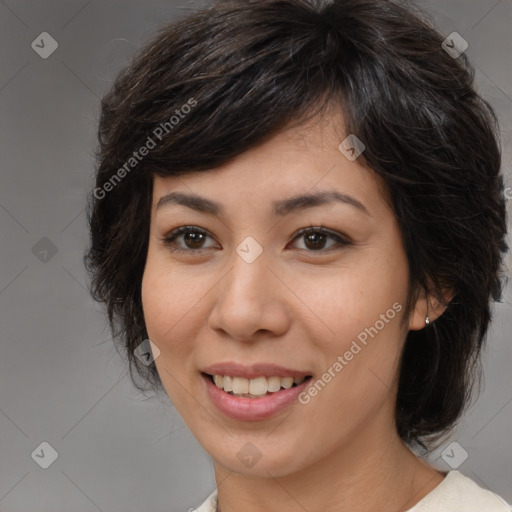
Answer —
456 493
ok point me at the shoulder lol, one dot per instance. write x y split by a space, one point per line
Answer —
208 505
458 493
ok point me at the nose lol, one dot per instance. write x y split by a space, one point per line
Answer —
250 302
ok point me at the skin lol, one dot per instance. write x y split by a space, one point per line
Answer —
296 307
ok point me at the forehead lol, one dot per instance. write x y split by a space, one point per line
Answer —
304 160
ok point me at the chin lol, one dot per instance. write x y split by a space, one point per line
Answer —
258 456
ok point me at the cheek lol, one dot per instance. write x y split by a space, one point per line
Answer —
341 305
168 305
364 308
167 300
358 327
166 293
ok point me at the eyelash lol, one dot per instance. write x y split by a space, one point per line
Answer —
169 239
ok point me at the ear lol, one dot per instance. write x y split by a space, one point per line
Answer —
428 305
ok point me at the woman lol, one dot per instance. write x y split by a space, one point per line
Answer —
299 203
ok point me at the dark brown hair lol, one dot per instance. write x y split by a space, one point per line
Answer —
248 69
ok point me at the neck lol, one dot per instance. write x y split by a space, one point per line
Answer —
358 477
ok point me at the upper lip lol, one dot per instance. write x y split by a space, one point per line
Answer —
252 371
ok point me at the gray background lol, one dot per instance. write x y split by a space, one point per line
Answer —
61 380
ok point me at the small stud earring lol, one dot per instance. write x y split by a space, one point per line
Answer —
427 320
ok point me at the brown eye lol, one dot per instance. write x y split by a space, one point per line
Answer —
192 237
315 239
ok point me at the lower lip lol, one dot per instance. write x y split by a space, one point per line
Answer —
252 409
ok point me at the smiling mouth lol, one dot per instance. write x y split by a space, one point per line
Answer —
254 388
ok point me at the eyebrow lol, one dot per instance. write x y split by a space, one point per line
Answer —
280 208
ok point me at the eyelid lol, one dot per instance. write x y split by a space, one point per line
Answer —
169 238
321 229
342 240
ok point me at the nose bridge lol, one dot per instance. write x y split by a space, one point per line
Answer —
248 299
247 282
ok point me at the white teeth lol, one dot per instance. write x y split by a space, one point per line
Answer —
258 386
287 382
228 383
240 386
274 384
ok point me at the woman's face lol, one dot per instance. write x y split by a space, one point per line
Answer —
243 295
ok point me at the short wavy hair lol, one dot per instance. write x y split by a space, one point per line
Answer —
245 71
